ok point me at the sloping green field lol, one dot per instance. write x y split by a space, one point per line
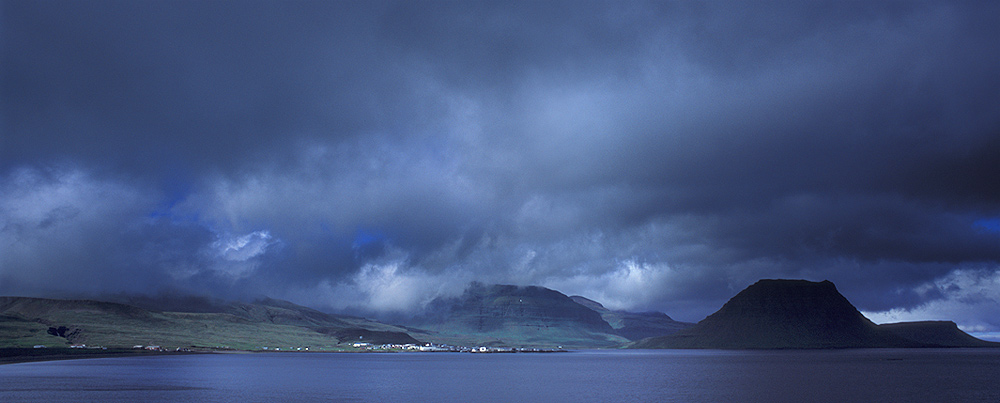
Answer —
26 322
17 332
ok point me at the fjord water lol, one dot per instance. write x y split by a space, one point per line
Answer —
588 376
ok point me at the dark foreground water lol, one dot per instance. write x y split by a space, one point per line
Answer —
590 376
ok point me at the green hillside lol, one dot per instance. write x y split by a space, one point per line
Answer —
25 322
485 315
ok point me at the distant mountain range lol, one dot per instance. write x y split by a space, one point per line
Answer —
771 314
490 315
529 316
799 314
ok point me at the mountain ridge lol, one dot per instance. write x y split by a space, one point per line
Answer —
797 314
770 314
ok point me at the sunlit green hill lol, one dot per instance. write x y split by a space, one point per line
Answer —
25 322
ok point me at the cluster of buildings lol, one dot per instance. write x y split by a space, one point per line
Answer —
431 347
158 348
136 347
78 346
428 347
425 347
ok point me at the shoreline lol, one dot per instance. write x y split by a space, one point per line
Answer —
16 355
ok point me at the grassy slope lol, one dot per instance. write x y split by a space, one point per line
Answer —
25 322
17 332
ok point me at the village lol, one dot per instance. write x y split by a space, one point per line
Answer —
358 346
432 347
423 348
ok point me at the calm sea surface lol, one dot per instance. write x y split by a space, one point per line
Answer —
588 376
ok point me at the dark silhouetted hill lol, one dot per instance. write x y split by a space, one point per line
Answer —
936 334
783 314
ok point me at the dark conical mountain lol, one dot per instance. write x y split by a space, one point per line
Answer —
775 314
635 325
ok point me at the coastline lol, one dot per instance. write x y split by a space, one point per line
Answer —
15 355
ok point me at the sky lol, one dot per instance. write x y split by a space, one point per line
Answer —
370 156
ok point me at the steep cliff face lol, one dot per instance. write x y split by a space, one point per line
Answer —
775 314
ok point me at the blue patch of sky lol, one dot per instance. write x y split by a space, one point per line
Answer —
368 244
988 336
175 192
364 237
987 224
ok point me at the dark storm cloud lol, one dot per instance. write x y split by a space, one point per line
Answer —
189 85
649 155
